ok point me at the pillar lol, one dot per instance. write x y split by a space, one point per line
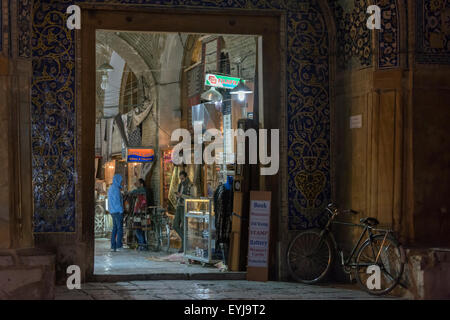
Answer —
25 272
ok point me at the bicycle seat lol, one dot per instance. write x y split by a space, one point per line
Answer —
369 221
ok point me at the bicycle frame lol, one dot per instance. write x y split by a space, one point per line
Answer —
366 229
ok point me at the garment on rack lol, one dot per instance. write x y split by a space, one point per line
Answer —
138 118
116 144
140 205
109 133
125 124
118 120
98 138
223 208
135 138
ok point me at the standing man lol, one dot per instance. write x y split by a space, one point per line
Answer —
184 191
115 208
140 208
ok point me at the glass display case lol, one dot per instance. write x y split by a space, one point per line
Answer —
199 230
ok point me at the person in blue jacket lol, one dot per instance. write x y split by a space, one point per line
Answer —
115 208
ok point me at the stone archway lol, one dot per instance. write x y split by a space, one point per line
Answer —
303 74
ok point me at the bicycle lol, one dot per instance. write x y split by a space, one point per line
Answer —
311 254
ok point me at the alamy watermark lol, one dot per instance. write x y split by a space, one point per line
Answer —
374 280
74 19
74 278
219 152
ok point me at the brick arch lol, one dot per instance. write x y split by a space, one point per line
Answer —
133 59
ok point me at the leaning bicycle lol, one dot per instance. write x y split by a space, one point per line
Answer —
311 254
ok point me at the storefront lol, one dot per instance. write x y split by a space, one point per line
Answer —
216 77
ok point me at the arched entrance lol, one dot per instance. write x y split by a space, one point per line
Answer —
138 21
296 73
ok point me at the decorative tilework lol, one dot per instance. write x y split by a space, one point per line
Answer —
23 24
53 120
433 31
53 109
388 41
309 187
354 40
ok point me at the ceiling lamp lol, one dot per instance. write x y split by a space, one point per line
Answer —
106 67
212 95
105 84
241 90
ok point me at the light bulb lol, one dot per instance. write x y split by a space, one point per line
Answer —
104 84
241 96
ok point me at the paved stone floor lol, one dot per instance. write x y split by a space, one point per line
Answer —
130 261
211 290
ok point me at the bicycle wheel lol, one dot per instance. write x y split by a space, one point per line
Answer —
309 257
391 262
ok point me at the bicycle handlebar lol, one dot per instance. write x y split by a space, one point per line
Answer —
334 210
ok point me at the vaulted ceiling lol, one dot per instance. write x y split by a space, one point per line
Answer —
149 46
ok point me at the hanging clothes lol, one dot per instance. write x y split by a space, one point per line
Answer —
116 145
139 117
98 138
223 207
141 203
135 138
109 135
125 124
104 139
121 129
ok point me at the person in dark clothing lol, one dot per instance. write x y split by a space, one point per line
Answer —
223 207
141 204
184 191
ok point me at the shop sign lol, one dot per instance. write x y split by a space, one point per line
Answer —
140 155
228 140
218 81
259 231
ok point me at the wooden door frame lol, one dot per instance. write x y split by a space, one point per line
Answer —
268 24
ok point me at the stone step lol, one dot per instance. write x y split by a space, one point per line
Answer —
169 276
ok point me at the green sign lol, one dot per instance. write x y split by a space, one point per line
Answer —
215 80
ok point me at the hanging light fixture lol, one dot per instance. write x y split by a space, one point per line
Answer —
212 95
105 69
104 84
241 90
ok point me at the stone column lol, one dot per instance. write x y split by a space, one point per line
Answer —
25 272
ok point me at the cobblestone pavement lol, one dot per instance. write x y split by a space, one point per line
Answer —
214 290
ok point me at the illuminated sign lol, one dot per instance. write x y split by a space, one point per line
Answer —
140 155
215 80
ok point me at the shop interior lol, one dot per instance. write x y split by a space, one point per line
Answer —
147 86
